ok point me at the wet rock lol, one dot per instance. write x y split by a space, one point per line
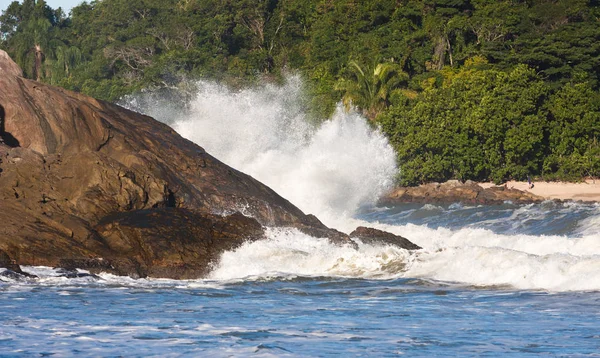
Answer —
12 275
313 227
88 184
374 236
11 266
195 241
8 263
74 273
454 191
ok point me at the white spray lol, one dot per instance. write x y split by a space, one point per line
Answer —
329 170
334 168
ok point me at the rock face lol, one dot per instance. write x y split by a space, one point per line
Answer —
454 191
8 66
7 262
85 183
373 236
166 242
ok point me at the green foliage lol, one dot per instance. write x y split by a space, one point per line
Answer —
465 89
29 31
574 132
370 88
479 124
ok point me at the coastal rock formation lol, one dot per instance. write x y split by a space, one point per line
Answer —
8 263
88 184
454 191
8 66
374 236
166 242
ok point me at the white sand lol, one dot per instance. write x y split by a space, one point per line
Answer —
585 191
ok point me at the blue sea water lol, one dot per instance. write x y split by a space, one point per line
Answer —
363 311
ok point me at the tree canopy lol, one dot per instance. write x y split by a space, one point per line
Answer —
465 89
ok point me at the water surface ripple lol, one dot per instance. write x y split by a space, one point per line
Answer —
293 317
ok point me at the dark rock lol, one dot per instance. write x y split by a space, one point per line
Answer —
313 227
2 115
73 273
15 276
88 184
454 191
195 243
373 236
12 267
8 263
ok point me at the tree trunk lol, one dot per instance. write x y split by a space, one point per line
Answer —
38 62
439 53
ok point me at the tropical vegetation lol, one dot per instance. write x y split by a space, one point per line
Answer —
464 89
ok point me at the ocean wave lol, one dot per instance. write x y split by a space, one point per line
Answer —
329 169
343 164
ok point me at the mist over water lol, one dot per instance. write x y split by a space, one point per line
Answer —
329 169
337 170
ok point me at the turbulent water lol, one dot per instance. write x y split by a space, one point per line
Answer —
329 170
490 280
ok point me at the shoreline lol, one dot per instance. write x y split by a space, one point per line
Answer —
489 193
588 191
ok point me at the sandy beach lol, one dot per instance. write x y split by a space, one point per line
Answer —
584 191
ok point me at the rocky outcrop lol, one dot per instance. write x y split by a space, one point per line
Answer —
88 184
93 158
374 236
166 242
8 66
8 263
454 191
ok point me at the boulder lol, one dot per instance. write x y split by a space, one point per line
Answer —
8 67
8 263
87 183
13 269
374 236
454 191
166 242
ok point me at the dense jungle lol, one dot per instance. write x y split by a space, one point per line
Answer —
463 89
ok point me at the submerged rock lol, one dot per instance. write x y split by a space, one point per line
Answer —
13 276
74 273
374 236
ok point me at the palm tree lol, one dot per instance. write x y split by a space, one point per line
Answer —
369 88
65 59
31 46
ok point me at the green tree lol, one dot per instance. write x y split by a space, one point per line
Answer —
369 87
574 132
66 58
33 46
478 124
30 32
